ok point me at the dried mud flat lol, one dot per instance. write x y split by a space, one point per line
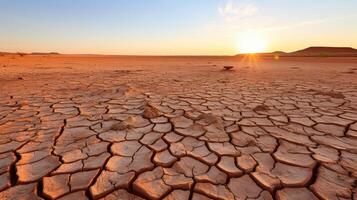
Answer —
91 127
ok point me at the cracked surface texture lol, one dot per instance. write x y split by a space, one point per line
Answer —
177 128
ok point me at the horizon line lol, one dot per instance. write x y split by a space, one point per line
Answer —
163 55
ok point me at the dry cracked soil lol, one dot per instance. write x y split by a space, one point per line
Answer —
177 128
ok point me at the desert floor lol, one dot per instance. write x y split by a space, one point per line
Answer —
91 127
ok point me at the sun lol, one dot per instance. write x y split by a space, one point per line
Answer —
251 43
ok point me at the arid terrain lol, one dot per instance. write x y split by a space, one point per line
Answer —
120 127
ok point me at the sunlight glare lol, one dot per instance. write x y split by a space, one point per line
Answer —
251 43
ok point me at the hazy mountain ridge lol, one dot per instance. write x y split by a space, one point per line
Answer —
33 53
317 51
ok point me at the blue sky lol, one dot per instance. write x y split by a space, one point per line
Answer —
174 26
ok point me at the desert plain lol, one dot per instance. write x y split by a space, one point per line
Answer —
177 128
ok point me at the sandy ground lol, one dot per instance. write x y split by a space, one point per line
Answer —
118 127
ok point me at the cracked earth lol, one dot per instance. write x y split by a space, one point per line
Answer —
177 128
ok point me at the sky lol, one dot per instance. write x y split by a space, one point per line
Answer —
175 27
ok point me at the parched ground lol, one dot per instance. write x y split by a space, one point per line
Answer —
92 127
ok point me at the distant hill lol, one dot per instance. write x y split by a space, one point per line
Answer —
33 53
326 51
315 52
275 53
42 53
